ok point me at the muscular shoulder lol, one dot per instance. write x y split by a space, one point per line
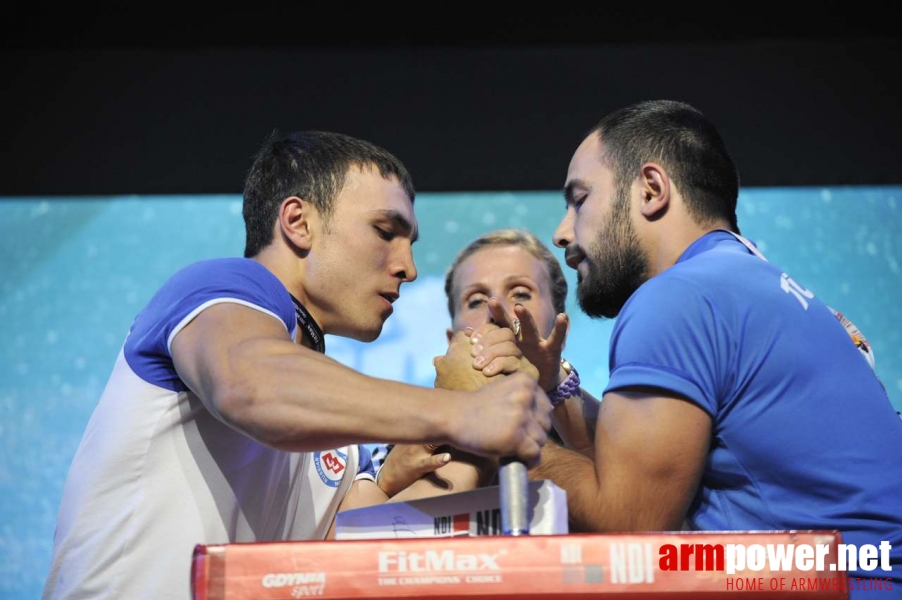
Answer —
224 273
237 278
185 295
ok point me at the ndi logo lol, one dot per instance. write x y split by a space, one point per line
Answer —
330 466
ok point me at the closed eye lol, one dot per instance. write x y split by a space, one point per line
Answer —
386 234
475 301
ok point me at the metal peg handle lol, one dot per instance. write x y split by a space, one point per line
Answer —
514 489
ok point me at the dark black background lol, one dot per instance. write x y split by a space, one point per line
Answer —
176 99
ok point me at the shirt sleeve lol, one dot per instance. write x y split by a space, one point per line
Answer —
380 452
184 296
365 468
671 336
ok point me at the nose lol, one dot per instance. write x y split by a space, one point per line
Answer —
563 235
404 267
505 304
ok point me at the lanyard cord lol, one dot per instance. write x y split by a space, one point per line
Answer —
858 338
309 325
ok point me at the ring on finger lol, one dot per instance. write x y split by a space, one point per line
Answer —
515 326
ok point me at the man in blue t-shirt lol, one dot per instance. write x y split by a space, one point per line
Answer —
737 400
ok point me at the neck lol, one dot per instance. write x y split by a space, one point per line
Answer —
291 271
665 249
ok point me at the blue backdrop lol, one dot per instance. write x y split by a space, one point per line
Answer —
76 271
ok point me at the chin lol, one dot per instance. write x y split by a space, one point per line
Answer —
365 333
369 336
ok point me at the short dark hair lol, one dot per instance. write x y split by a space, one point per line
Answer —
683 141
312 165
520 239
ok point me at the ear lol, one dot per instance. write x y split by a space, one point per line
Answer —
297 218
656 192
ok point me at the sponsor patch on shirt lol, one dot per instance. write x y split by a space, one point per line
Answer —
330 465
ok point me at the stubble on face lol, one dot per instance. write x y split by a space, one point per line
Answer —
616 264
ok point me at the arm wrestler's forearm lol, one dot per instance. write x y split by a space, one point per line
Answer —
576 474
575 420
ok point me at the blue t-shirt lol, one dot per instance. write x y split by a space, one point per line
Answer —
804 436
185 295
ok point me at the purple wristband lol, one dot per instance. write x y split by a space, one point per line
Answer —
568 387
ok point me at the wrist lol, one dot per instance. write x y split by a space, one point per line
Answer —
381 485
568 386
444 421
558 379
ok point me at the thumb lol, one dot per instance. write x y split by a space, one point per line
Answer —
433 462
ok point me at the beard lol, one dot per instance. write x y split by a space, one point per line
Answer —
617 266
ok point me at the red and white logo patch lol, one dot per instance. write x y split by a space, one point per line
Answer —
330 466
